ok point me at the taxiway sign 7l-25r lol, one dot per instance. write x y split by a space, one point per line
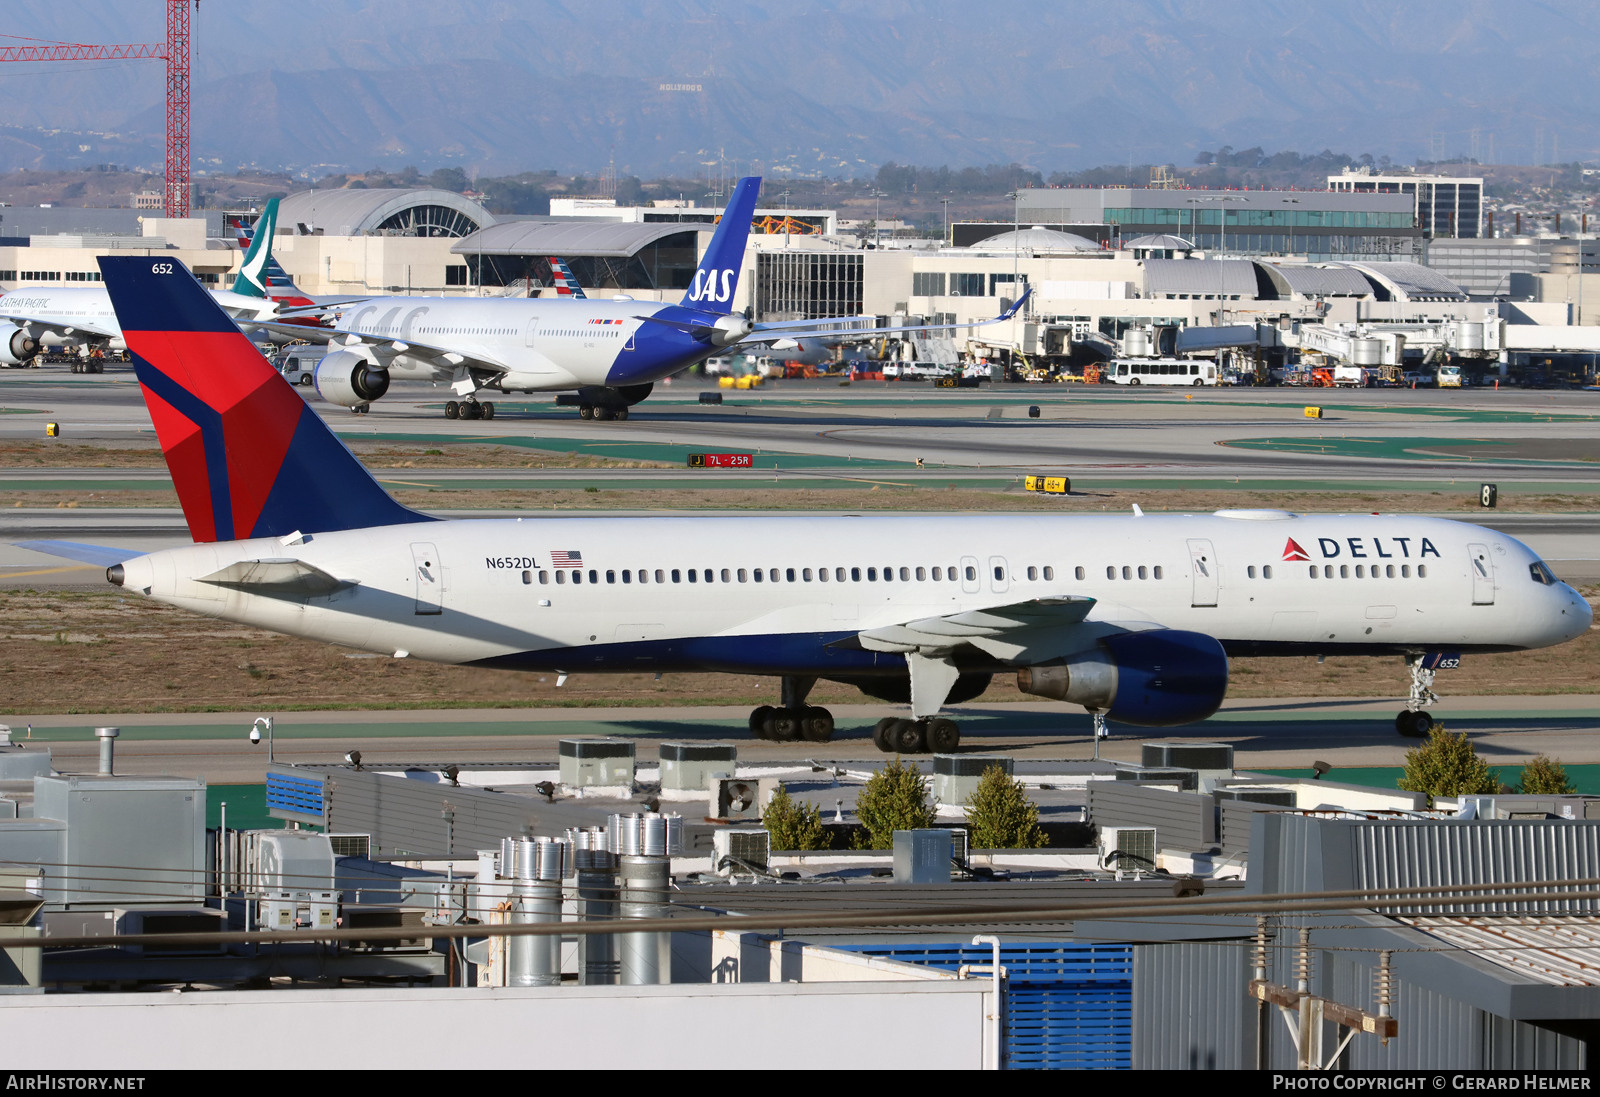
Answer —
1132 617
604 355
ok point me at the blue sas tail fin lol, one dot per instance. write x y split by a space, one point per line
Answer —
717 277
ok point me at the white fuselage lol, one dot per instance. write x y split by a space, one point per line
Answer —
71 315
543 343
507 590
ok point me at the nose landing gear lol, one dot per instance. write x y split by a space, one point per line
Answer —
1412 722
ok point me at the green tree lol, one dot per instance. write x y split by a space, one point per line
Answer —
1000 814
794 824
894 798
1545 776
1447 765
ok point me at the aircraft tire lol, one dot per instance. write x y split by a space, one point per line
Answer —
944 736
1413 725
759 718
816 724
909 736
783 725
622 413
452 410
585 411
880 734
604 414
488 409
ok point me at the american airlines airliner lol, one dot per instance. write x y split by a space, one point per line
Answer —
1132 617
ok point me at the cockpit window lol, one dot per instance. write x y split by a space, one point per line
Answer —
1542 574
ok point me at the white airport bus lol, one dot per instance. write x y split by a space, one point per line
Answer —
1161 371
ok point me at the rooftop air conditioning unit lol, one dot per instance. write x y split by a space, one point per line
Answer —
739 797
734 848
1128 849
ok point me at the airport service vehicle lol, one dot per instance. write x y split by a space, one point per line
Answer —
1133 617
1353 377
1451 377
602 356
1160 371
298 365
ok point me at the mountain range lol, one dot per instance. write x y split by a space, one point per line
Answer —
807 87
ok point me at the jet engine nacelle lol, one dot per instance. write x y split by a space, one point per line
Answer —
730 329
348 378
1158 678
18 348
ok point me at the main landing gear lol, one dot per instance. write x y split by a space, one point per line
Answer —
793 719
603 412
360 409
928 735
1412 722
469 408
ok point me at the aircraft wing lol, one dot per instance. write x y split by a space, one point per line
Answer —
840 326
66 325
386 347
1028 632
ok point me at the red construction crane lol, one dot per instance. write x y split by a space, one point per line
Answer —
176 52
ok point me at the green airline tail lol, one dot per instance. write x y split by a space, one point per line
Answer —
252 279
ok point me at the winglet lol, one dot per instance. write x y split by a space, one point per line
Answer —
248 456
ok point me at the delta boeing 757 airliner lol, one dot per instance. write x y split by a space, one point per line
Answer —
1131 617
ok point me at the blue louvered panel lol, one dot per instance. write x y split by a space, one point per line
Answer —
296 796
1078 1026
1067 1005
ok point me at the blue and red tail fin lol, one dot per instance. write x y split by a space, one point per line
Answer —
248 457
717 277
566 284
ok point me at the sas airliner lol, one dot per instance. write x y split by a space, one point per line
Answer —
1133 617
603 356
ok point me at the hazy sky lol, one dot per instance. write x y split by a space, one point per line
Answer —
818 84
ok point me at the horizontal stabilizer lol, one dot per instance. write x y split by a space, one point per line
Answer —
277 576
100 555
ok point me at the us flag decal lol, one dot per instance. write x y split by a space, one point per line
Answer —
566 559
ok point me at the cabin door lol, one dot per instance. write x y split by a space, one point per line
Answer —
1203 567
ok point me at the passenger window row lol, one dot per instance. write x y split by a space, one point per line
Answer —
906 574
753 575
1362 571
1130 572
